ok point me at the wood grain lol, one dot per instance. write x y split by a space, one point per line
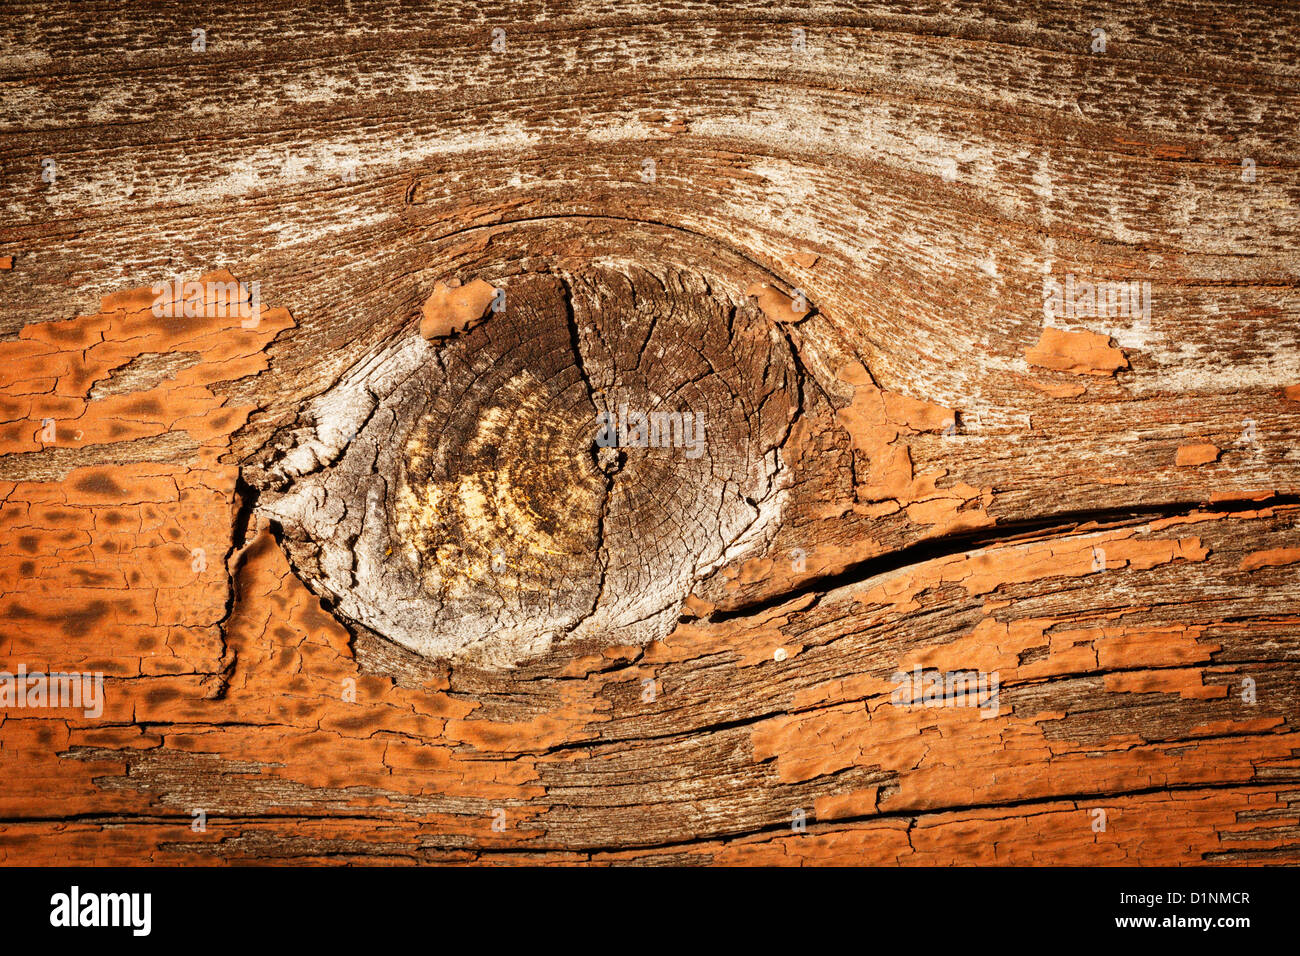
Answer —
925 469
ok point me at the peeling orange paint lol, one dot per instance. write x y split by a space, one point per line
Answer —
1270 558
1083 353
776 305
1199 454
455 308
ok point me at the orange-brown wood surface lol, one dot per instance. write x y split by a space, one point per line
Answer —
847 232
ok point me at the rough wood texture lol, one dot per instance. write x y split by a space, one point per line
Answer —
363 595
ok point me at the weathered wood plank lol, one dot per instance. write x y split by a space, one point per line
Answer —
930 469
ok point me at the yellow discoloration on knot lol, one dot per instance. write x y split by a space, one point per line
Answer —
516 497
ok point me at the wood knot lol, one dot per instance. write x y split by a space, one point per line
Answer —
569 467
